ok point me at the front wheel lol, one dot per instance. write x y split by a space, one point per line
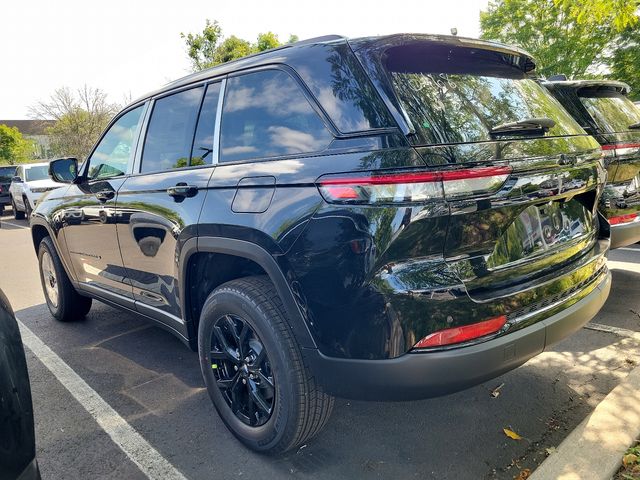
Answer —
64 302
254 370
16 214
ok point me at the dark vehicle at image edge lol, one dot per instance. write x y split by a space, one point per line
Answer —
386 218
17 433
7 173
602 108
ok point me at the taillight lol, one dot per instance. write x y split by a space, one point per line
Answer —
629 217
451 336
620 149
409 187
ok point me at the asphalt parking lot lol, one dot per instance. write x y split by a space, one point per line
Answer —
153 382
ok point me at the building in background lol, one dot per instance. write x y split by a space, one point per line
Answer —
35 130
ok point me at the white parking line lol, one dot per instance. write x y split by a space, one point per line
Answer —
4 222
629 249
139 451
621 332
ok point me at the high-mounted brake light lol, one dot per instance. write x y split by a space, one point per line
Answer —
451 336
629 217
414 186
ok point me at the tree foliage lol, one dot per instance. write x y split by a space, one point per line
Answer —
14 148
624 63
210 48
565 36
80 116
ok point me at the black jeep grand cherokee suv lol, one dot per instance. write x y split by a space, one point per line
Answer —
381 218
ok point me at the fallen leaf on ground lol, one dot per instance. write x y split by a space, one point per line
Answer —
629 459
511 434
524 474
551 450
496 391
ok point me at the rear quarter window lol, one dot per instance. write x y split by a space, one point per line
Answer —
612 112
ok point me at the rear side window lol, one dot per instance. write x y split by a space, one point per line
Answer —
612 111
265 114
167 144
457 95
202 152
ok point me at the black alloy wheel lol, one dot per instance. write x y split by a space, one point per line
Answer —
242 370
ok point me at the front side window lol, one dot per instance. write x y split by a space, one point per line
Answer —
265 114
114 153
455 95
167 144
613 112
39 172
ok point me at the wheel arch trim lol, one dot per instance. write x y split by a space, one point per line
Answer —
41 222
257 254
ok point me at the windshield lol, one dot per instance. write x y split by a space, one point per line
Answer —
6 174
39 172
613 113
461 97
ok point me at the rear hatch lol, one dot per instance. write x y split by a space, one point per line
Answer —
617 121
469 105
6 174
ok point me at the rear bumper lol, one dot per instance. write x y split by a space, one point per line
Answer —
5 199
421 375
625 234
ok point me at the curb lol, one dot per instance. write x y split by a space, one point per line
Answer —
594 449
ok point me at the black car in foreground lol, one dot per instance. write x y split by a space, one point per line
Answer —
384 218
17 435
602 108
7 173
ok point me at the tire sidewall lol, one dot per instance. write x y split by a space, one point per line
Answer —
230 301
44 246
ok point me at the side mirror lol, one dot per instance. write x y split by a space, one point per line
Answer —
16 179
64 170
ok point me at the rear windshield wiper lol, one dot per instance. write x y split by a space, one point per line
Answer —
526 126
635 126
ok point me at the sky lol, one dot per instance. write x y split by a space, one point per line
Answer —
129 47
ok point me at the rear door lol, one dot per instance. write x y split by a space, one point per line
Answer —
159 205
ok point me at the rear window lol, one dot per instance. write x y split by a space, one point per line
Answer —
612 111
457 95
6 174
40 172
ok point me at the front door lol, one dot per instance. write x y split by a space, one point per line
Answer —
160 204
90 214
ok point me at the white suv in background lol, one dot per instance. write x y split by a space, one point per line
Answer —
30 182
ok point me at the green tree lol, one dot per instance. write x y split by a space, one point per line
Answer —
210 48
14 148
562 38
80 117
624 63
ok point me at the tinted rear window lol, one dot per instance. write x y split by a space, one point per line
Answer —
6 174
612 111
457 95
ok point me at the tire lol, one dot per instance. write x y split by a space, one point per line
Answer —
298 406
67 304
16 213
27 207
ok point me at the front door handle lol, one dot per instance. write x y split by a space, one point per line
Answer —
104 195
182 190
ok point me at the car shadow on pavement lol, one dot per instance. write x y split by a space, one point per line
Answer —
154 382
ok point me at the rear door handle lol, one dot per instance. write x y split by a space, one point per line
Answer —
104 195
182 190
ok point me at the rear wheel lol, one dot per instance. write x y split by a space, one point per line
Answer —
18 215
64 302
254 370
